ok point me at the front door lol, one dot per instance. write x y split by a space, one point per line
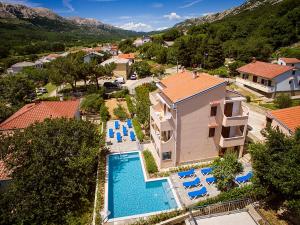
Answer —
228 109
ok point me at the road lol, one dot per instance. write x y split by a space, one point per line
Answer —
257 120
132 84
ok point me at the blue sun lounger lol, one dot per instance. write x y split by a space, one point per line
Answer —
187 173
245 178
210 180
117 125
125 131
119 137
206 171
111 133
194 183
132 136
129 123
198 193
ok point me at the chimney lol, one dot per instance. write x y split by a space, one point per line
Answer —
195 74
253 59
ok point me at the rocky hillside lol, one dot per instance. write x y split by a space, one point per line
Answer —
248 5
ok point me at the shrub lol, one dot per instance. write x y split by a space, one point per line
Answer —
138 129
150 162
120 94
92 103
120 112
248 98
104 113
283 101
130 105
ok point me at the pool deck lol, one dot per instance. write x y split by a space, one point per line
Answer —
118 147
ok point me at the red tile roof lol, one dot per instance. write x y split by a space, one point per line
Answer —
38 112
4 172
289 117
183 85
263 69
127 56
290 60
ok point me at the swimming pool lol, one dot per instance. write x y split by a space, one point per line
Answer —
128 192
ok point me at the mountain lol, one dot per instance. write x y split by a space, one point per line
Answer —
247 6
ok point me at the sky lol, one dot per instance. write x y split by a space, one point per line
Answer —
138 15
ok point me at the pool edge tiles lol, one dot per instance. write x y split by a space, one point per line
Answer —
167 179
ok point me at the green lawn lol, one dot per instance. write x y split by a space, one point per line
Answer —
50 87
272 106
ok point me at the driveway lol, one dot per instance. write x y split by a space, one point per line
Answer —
132 84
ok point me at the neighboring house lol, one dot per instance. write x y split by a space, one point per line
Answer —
287 120
38 112
194 118
49 58
168 44
129 56
122 66
289 62
140 41
4 176
18 67
270 79
92 55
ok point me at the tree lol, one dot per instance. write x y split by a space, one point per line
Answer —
215 57
120 112
54 166
158 70
5 111
171 34
233 68
92 103
142 68
104 113
277 164
225 171
283 101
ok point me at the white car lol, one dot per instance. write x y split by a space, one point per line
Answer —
120 80
133 77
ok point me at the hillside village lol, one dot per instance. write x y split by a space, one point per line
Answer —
182 126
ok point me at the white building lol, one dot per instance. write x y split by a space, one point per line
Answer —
18 67
92 55
289 62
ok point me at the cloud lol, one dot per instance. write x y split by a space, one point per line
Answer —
157 5
125 17
23 2
161 28
189 4
207 13
136 26
172 16
68 5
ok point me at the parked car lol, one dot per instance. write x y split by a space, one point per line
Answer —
111 85
120 80
133 77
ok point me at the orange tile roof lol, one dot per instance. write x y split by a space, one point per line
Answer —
183 85
38 112
4 172
127 56
263 69
289 117
290 60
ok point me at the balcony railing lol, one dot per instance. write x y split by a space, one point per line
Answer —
261 87
163 122
237 120
232 141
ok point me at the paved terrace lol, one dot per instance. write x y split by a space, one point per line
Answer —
126 145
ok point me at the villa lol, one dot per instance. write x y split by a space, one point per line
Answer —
129 56
287 120
122 66
271 79
18 67
38 112
194 118
289 62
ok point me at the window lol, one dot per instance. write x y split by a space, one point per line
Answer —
211 132
166 155
213 111
269 83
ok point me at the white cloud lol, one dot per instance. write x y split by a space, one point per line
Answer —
157 5
172 16
22 2
136 26
125 17
189 4
207 13
161 28
68 5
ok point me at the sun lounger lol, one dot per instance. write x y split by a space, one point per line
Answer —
198 193
206 171
117 125
132 136
211 180
111 133
125 131
194 183
129 123
119 137
188 173
245 178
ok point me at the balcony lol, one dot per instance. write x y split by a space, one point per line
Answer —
232 136
263 88
237 120
163 122
164 146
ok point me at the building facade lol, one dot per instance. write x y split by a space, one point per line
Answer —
194 118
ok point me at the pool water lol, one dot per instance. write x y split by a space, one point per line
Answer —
129 194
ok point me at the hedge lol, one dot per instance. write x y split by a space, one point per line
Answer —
158 218
150 162
130 105
138 129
